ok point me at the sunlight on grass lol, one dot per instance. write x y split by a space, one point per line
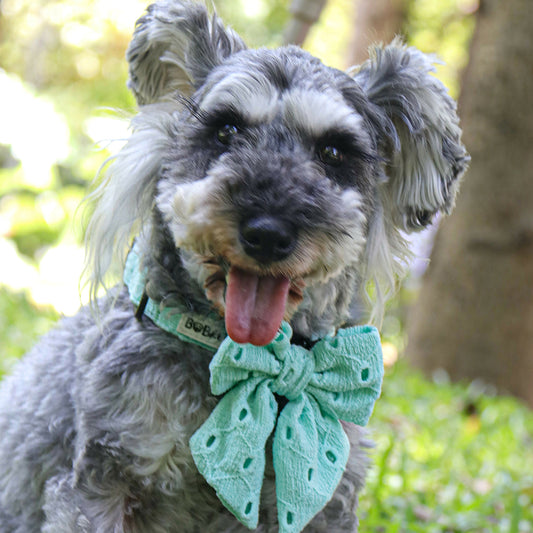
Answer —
448 458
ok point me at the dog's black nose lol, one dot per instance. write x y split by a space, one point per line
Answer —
267 238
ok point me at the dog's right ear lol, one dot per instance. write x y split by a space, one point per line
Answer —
174 47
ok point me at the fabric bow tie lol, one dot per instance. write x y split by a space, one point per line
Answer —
339 378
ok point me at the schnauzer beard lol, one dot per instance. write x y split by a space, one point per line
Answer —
205 223
201 220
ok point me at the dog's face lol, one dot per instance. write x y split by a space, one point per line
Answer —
269 184
276 175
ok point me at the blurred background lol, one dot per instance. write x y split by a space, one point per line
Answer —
449 457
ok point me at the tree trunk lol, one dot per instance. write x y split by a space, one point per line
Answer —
474 315
304 13
376 21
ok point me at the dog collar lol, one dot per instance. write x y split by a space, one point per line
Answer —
205 331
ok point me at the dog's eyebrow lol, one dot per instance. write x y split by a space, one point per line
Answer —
221 115
251 95
319 113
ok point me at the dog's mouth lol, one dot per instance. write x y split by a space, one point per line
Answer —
254 304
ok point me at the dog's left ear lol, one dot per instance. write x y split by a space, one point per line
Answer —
419 132
174 47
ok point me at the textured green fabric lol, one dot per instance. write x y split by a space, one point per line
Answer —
338 379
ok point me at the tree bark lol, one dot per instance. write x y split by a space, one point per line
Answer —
304 13
376 21
474 315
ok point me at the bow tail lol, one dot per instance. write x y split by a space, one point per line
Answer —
229 448
310 454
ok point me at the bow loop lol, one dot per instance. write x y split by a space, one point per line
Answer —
349 372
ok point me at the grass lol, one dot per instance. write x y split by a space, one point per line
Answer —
448 458
21 324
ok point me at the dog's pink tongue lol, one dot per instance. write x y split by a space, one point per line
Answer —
255 306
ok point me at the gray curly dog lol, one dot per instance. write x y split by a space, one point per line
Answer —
260 185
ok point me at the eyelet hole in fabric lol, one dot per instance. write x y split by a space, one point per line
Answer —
288 433
332 458
365 373
310 473
290 518
210 441
243 414
248 508
247 463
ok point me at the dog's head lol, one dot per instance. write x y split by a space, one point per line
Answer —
284 183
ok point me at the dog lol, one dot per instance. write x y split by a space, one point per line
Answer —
261 186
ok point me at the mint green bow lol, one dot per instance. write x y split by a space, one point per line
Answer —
339 378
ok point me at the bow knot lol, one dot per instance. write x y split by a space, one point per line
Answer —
297 367
339 378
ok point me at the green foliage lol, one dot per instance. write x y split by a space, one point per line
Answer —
329 38
449 458
258 22
61 62
21 324
443 28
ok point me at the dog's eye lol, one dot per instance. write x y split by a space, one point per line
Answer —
226 133
331 155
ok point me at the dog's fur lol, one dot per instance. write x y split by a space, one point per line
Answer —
95 421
